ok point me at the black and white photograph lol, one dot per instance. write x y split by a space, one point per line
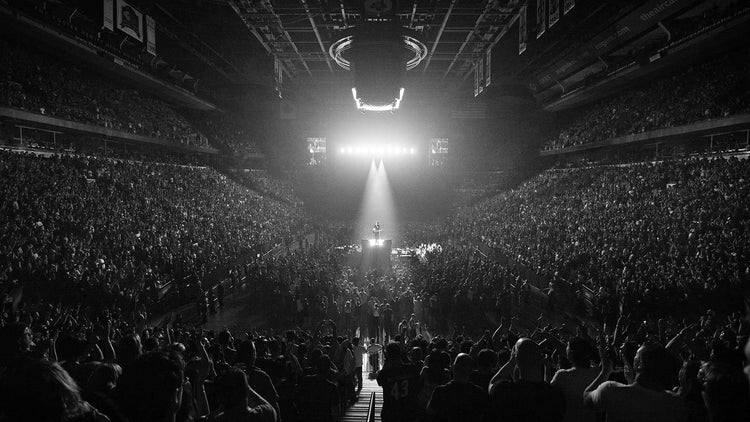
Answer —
374 211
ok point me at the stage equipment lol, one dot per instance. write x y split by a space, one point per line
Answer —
378 53
376 255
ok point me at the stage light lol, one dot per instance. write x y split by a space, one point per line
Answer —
358 150
343 150
412 151
378 242
381 150
390 150
369 107
349 150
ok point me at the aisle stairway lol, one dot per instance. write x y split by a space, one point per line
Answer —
370 399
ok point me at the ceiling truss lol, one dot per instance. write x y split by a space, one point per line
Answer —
298 33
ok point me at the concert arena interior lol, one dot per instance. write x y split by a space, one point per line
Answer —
375 210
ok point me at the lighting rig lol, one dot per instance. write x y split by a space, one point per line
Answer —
378 52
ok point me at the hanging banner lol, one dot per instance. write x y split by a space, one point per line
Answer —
522 30
476 81
129 20
629 27
278 76
108 18
480 69
150 35
554 12
541 17
569 5
488 68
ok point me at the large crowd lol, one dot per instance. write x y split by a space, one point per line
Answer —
660 238
655 254
231 132
718 88
41 84
664 242
265 184
68 363
120 231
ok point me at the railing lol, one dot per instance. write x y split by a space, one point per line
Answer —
371 408
526 271
215 280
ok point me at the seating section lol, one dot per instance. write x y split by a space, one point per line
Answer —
656 237
113 230
718 88
45 85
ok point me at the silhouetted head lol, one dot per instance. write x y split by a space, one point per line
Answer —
654 363
462 367
529 357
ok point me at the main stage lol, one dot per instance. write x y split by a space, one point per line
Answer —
376 255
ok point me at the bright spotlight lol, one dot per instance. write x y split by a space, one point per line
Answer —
343 150
361 105
412 151
349 150
390 150
380 150
358 150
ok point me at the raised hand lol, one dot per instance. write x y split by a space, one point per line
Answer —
606 365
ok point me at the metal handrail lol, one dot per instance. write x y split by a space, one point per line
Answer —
371 408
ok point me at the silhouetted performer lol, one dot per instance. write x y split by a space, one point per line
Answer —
376 231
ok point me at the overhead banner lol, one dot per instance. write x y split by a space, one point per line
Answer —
488 68
108 18
480 69
278 74
129 20
150 35
554 12
633 25
476 81
541 17
569 5
522 30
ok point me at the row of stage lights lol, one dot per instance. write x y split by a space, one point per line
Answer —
380 150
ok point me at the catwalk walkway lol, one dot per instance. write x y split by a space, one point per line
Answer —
370 402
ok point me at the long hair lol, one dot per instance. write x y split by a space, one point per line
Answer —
38 390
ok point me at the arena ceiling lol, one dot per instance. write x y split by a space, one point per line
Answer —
247 41
299 33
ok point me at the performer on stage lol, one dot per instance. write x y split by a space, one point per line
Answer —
376 231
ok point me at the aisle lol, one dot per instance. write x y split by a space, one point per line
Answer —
358 412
